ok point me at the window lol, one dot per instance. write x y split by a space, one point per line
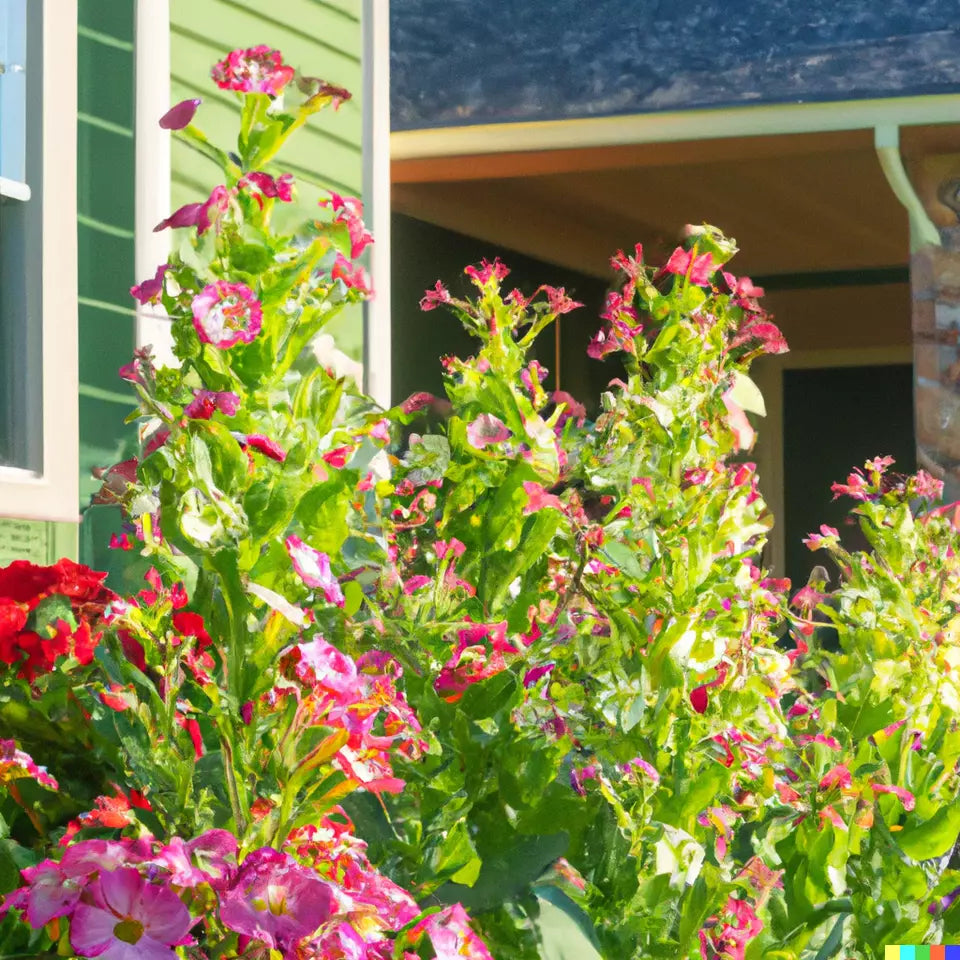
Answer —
38 272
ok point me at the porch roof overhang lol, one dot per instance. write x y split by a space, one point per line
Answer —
798 185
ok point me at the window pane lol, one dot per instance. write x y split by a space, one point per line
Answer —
21 315
13 88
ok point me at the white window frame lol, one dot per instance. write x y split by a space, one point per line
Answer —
52 493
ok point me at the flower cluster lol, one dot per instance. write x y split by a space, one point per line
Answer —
49 612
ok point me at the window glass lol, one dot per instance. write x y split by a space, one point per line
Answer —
13 88
21 427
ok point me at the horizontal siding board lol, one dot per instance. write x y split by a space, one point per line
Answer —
348 9
101 89
105 267
106 345
339 33
111 17
105 191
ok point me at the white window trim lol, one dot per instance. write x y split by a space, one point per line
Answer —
54 493
768 375
152 166
376 195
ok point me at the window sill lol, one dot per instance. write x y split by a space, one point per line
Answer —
14 189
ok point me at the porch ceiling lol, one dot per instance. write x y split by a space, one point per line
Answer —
796 203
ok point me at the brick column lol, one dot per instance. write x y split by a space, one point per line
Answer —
935 288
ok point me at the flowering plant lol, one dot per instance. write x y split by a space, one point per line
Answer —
516 664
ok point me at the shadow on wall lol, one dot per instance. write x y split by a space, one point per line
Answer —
424 253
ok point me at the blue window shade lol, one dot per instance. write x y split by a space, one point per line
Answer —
458 62
13 89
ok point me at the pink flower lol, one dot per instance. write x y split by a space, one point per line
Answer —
149 291
349 211
726 937
641 765
451 937
738 422
572 409
559 302
15 764
276 900
180 114
828 537
487 429
273 188
539 499
225 314
433 298
185 216
685 264
313 568
838 776
254 70
415 583
338 456
269 448
452 546
481 275
212 210
905 796
206 402
699 698
354 277
129 919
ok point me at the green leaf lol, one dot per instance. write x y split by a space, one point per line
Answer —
565 929
935 837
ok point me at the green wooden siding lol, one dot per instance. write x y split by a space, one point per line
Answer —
105 104
319 37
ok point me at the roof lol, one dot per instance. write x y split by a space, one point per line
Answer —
458 62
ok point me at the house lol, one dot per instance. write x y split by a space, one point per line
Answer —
86 174
825 137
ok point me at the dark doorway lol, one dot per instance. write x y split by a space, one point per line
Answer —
834 419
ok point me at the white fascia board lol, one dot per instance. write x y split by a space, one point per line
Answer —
671 127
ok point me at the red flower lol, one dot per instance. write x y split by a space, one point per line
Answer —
279 188
352 275
349 211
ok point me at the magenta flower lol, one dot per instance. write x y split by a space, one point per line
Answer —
212 209
15 764
254 70
451 937
480 275
180 114
487 429
828 537
269 448
185 216
558 300
536 673
129 919
273 188
433 298
349 211
149 291
313 568
276 900
905 796
225 314
415 583
685 264
206 402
